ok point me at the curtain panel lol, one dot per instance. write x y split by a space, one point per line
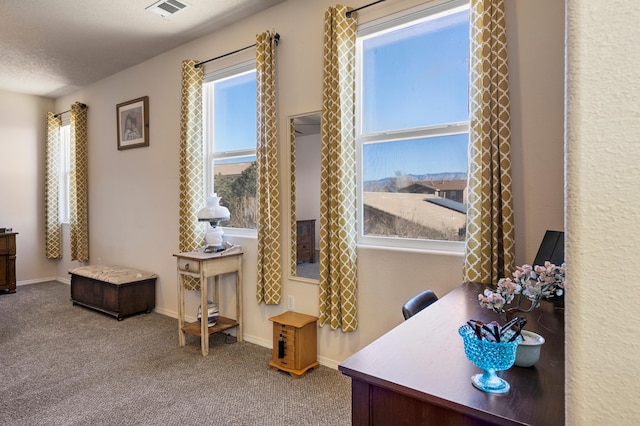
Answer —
490 224
78 185
53 229
294 228
338 274
191 171
268 184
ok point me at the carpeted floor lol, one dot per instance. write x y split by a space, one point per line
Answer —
66 365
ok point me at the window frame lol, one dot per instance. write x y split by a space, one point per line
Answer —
210 156
379 27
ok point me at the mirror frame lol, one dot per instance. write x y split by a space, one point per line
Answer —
292 199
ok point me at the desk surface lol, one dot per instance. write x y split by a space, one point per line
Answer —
423 359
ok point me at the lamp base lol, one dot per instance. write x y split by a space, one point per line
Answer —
209 248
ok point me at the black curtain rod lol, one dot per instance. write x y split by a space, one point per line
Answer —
348 14
63 112
277 38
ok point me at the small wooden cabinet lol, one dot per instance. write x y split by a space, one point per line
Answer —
306 241
8 262
294 343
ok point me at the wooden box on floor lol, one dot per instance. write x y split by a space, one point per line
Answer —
295 343
118 300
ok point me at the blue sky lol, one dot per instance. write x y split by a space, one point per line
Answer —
414 77
235 104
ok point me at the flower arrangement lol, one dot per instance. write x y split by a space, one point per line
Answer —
528 282
494 332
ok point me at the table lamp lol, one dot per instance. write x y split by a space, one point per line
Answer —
213 213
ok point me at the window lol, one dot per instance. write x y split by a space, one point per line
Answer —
413 128
65 172
230 138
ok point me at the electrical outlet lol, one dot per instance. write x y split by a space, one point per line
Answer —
291 303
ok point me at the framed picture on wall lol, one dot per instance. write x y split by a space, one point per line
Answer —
133 123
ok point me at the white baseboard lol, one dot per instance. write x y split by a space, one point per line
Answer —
265 343
37 280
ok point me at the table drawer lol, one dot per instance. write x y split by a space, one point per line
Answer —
189 265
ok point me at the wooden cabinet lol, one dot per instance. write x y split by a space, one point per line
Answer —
306 240
294 342
8 262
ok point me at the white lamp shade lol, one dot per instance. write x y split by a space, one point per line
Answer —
213 211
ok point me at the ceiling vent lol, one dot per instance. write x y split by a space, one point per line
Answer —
167 8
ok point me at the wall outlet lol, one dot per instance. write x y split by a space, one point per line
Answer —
291 303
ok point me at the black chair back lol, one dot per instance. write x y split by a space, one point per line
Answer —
418 303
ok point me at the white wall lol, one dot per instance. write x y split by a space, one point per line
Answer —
603 245
23 128
134 193
308 154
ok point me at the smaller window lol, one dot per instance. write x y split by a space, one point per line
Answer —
65 172
230 142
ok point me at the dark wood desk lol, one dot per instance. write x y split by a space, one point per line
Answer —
417 374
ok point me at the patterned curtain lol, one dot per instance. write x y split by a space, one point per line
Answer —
338 274
53 230
191 232
78 185
490 228
294 227
269 261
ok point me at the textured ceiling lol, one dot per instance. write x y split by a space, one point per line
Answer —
54 47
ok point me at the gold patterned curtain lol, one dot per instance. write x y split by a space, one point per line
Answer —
338 274
53 229
294 228
268 193
78 185
191 232
490 226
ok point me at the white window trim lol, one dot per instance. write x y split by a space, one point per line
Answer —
378 27
209 154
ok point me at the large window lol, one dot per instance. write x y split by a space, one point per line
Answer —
413 128
230 135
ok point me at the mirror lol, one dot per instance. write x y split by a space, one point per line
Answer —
305 195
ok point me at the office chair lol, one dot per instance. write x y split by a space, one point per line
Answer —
551 249
418 303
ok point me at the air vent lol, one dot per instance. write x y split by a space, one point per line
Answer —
167 8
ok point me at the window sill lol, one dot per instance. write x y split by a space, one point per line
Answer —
457 249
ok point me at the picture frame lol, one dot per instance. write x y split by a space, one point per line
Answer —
132 123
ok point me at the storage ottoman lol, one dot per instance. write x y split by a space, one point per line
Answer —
114 290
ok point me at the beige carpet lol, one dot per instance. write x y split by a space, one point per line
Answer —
67 365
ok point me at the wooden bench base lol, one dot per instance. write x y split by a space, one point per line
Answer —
118 300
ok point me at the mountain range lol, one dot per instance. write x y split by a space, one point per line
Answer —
392 184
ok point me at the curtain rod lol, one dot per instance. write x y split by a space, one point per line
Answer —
348 14
276 37
63 112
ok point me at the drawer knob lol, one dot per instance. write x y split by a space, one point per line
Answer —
186 266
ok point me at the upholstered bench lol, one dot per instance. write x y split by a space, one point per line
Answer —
113 290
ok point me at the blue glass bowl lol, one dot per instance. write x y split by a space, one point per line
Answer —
490 357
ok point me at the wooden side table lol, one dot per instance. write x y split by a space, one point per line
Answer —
295 343
203 266
8 262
